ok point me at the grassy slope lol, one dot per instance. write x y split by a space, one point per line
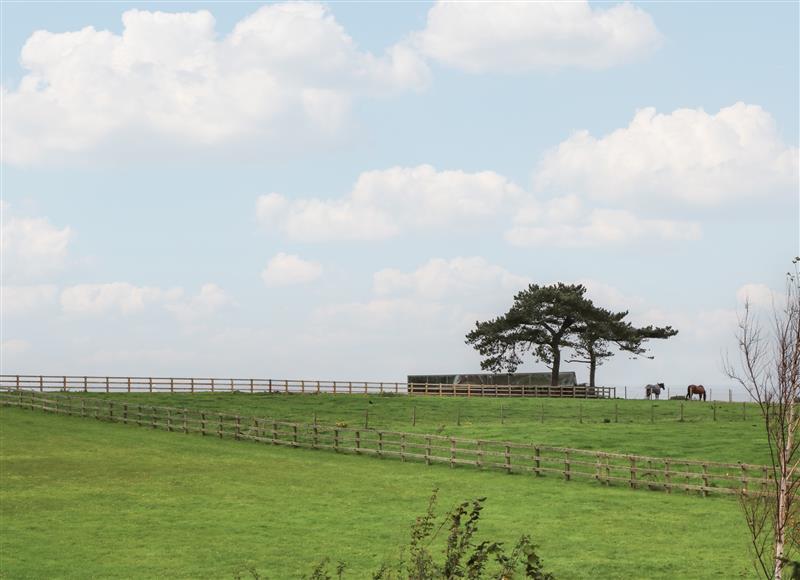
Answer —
84 499
728 439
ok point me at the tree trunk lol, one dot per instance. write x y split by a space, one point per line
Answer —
556 365
592 368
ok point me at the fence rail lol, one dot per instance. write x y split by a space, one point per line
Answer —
86 384
634 471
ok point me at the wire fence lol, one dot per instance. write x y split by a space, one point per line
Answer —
633 471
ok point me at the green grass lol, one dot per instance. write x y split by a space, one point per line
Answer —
729 439
84 499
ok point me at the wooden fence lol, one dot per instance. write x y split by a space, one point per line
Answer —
634 471
50 383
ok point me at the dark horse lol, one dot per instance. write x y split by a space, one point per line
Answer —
698 390
654 390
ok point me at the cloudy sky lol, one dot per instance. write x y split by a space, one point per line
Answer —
339 191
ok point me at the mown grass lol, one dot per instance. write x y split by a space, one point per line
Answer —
611 425
84 499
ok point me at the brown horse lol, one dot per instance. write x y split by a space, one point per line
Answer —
698 390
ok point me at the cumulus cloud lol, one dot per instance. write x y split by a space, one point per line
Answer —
687 156
32 246
207 302
436 297
438 279
19 300
288 269
386 202
515 37
566 222
286 69
115 297
14 346
760 296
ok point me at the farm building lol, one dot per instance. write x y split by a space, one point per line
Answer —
511 385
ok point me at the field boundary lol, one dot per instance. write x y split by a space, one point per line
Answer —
109 384
606 468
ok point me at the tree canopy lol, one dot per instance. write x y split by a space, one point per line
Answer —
543 320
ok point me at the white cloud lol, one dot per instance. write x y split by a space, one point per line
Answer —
14 346
288 269
521 36
32 246
565 222
386 202
440 279
18 300
760 296
285 71
687 156
112 298
207 302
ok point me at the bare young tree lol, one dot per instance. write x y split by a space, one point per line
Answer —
769 370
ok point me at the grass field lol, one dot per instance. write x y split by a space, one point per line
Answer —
84 499
568 422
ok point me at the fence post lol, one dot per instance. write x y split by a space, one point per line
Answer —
580 413
744 479
111 410
626 393
633 472
107 389
566 466
219 425
366 418
537 460
358 441
427 451
542 413
169 420
153 418
414 416
714 409
238 432
336 440
402 447
380 443
452 453
458 416
202 424
274 433
185 422
705 480
744 411
129 384
730 396
41 383
667 476
212 385
151 384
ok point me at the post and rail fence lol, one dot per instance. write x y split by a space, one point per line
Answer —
634 471
86 384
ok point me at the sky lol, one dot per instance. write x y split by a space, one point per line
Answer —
341 190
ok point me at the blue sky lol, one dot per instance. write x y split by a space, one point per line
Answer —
340 190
